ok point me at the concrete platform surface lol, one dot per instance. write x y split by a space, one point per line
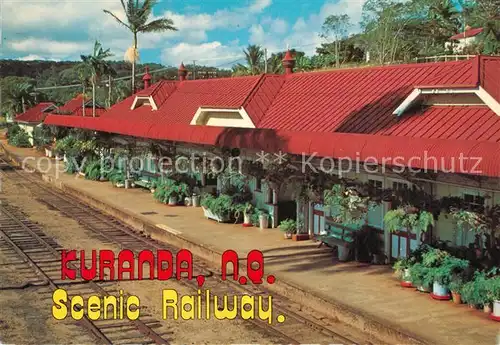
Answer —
371 290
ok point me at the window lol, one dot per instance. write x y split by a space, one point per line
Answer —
258 184
376 184
474 202
399 186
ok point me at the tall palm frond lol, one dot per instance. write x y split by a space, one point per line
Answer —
17 98
254 55
137 13
97 66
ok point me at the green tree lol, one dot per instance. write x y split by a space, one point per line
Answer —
486 14
138 13
97 66
254 55
17 94
336 28
384 23
274 63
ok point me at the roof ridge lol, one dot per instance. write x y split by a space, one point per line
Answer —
254 89
372 68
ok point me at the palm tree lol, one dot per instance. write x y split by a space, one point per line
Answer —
17 97
97 66
254 56
274 63
137 14
84 76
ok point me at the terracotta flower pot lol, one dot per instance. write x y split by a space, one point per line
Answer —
457 298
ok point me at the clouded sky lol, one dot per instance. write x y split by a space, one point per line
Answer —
213 32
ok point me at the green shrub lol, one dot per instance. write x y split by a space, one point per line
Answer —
456 285
42 136
116 176
403 263
222 205
19 138
493 289
449 268
475 292
420 275
167 188
93 170
434 257
12 130
288 226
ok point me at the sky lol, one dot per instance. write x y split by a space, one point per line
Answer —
212 32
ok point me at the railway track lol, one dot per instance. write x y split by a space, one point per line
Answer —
301 325
43 256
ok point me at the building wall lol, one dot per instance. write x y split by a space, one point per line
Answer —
445 228
458 46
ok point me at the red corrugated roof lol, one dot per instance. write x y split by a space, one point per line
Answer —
88 111
74 106
334 113
178 102
467 33
357 100
36 114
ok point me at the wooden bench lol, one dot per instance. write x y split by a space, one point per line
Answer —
145 179
337 235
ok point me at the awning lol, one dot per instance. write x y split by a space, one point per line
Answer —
451 156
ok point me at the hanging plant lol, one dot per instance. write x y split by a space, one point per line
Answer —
469 220
408 217
349 204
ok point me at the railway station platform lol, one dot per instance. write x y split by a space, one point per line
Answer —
366 296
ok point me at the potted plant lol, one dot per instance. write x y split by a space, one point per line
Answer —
172 194
443 273
196 200
217 208
246 210
263 219
456 286
475 292
494 296
402 270
247 215
288 226
420 277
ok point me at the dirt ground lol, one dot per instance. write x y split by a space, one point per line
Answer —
25 315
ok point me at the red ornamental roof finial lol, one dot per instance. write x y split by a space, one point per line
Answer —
182 72
288 62
147 76
288 56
